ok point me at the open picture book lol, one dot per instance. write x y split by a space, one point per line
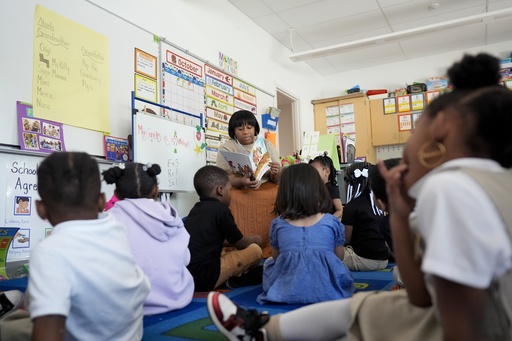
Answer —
256 163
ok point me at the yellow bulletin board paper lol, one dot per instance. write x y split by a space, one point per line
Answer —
145 88
70 82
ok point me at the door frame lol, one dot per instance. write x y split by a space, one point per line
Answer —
296 131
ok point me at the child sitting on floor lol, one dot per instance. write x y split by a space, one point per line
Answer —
450 220
210 223
365 249
83 283
378 186
325 168
307 243
156 234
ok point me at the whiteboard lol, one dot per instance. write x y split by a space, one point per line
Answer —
178 149
18 178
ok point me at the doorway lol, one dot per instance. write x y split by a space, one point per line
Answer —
288 127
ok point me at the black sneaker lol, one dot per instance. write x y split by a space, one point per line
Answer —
253 276
236 323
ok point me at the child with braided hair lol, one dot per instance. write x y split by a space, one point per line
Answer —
365 247
325 168
157 236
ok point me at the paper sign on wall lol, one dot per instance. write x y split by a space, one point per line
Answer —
70 82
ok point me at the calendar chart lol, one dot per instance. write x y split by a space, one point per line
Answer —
182 87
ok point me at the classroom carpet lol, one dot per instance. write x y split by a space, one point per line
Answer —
193 324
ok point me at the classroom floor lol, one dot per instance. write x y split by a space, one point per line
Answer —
193 323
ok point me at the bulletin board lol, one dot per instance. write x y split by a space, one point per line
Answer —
191 85
17 74
18 180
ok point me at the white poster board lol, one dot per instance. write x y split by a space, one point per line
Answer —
178 149
18 180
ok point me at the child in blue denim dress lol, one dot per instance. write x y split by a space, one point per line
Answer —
307 243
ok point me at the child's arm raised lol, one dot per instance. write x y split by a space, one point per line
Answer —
400 206
49 328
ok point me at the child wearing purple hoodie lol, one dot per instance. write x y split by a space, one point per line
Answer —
156 234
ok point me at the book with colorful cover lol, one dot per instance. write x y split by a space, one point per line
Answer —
256 163
116 149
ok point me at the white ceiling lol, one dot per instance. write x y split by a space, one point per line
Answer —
303 25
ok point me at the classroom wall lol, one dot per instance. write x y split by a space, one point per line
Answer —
284 104
17 55
397 75
205 28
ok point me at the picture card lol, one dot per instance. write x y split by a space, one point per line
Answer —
37 134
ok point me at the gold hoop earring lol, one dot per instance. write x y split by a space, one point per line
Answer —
431 155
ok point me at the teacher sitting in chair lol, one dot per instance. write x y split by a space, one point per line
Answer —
252 209
243 129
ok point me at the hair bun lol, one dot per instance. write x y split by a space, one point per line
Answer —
112 174
154 170
475 71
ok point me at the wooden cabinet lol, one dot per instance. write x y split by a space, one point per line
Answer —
361 109
385 130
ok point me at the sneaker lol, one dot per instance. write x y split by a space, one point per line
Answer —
253 276
234 322
10 301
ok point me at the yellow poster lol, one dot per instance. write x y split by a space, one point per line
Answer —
70 81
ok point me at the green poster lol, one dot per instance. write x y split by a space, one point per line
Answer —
327 143
6 236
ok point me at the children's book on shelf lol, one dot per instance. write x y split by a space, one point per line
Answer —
256 163
116 149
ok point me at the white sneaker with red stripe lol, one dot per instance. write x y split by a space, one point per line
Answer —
234 322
